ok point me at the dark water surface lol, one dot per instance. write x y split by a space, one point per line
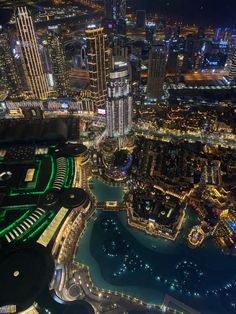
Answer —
126 260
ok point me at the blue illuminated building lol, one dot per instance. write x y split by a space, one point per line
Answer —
232 225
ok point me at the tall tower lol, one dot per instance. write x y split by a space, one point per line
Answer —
150 31
140 18
119 100
115 13
10 80
156 72
98 65
115 9
57 61
232 70
33 69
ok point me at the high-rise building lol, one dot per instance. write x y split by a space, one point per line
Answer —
10 81
175 57
193 52
135 65
150 31
201 32
232 71
98 65
119 46
115 9
119 100
156 72
35 77
189 51
217 34
57 61
140 18
172 61
115 13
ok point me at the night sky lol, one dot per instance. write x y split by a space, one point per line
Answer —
207 12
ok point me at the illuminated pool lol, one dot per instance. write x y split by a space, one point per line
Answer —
129 261
103 191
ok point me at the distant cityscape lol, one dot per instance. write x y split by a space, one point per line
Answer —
117 160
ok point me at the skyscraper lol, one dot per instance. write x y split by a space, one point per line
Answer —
232 70
119 46
193 52
115 13
150 31
156 72
57 61
98 64
119 100
172 61
10 81
140 18
175 52
115 9
33 69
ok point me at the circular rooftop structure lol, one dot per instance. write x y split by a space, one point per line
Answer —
74 197
73 150
121 158
25 271
5 175
50 198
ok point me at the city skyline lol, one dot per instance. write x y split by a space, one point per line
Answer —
207 13
117 157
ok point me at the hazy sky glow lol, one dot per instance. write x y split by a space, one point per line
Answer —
217 12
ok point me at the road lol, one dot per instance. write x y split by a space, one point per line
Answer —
211 140
204 76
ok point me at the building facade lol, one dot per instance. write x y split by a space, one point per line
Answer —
10 80
232 70
156 72
35 76
119 100
140 18
98 65
150 32
57 61
115 13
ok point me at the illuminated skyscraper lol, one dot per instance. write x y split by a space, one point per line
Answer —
150 31
232 70
98 64
156 72
115 9
115 13
9 81
57 61
175 57
119 100
33 69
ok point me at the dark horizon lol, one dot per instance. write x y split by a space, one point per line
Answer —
206 13
210 12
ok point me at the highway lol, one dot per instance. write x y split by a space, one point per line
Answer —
211 140
206 76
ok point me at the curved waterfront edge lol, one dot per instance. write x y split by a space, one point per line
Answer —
82 273
153 295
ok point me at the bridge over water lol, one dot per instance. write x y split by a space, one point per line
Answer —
111 206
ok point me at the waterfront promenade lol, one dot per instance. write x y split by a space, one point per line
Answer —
76 283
